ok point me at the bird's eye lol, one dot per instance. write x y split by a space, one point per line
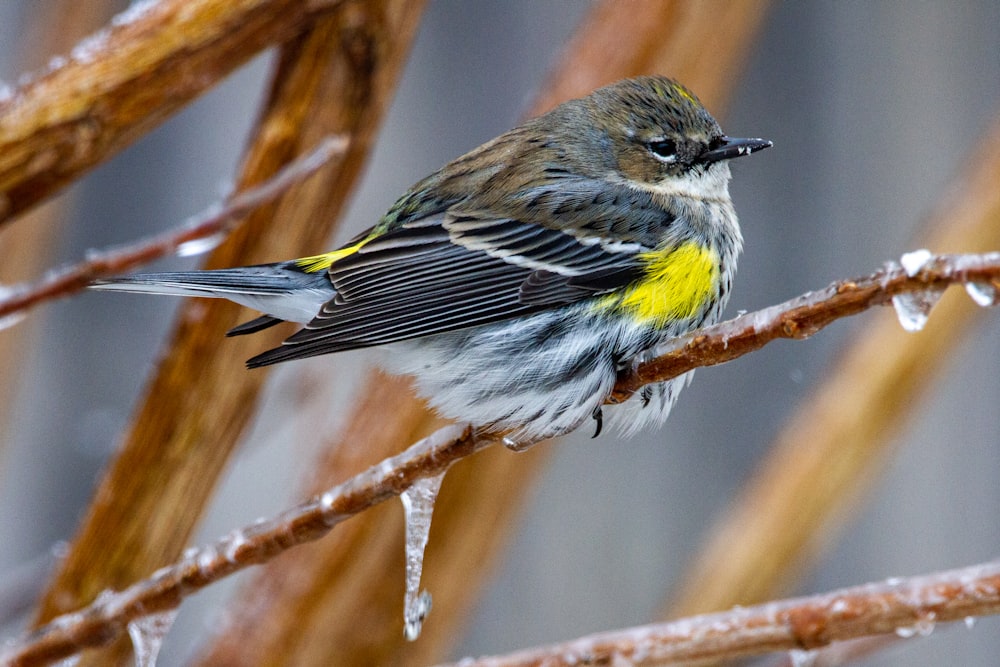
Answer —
663 149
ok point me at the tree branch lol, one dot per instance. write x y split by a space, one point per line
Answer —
119 83
906 607
805 315
335 78
106 618
209 227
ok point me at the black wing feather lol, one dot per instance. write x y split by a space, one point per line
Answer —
466 270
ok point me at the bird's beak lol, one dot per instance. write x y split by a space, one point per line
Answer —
731 148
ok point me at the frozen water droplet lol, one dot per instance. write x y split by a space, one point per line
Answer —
925 624
200 245
512 444
619 660
913 262
70 661
418 505
6 91
147 633
913 308
9 320
88 48
970 622
326 501
985 294
207 559
57 62
235 541
802 658
134 12
906 631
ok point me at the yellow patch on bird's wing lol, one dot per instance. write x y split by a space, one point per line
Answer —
676 284
318 263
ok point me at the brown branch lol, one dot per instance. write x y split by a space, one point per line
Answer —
907 607
122 81
26 249
213 223
335 78
106 618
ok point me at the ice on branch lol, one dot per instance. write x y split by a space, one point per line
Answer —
913 262
914 308
983 293
7 321
418 505
147 633
201 245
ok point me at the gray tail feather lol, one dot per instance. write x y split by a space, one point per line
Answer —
277 290
248 280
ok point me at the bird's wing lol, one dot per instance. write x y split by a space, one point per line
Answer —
423 280
458 269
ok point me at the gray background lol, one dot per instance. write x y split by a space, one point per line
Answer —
872 108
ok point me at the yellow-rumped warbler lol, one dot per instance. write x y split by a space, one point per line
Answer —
518 280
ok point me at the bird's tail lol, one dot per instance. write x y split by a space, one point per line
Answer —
280 291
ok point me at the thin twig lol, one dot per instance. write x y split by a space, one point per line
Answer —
210 225
107 617
907 607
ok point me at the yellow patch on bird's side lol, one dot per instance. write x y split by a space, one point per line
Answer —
318 263
677 283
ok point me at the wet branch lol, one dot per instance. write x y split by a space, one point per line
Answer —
904 607
209 227
801 317
805 315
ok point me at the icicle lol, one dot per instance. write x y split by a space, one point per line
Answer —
985 294
418 505
147 633
200 245
802 657
913 308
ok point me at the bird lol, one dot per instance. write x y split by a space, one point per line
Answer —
515 283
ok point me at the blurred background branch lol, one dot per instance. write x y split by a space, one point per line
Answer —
120 82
